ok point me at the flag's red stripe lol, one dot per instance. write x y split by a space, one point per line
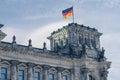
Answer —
69 14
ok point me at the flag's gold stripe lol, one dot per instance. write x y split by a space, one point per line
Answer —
69 14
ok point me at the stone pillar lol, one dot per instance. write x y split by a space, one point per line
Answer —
85 76
60 69
77 73
30 71
52 44
13 70
72 74
104 75
45 72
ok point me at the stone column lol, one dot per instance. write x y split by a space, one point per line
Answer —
72 74
60 69
30 71
13 70
52 44
104 75
85 76
45 72
77 73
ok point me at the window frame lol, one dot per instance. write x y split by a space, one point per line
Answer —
7 65
23 74
39 69
22 66
38 75
65 76
52 71
4 73
66 73
53 76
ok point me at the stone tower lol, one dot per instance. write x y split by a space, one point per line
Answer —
82 43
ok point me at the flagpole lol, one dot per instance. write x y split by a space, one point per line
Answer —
73 15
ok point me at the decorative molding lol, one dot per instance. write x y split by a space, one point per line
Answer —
5 62
66 72
52 70
38 68
22 65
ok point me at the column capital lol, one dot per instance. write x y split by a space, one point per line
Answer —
60 69
46 67
72 71
14 62
84 70
30 70
104 73
30 64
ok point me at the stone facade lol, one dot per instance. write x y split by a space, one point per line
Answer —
75 55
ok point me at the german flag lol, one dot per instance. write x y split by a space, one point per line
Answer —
67 12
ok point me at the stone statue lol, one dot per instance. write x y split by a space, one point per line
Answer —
44 45
30 42
84 50
14 39
102 53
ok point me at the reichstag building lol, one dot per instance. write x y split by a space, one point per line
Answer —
75 54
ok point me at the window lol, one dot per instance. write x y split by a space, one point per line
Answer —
21 75
4 73
64 77
36 75
61 42
80 40
66 41
51 76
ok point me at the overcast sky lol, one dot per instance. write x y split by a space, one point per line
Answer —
36 19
